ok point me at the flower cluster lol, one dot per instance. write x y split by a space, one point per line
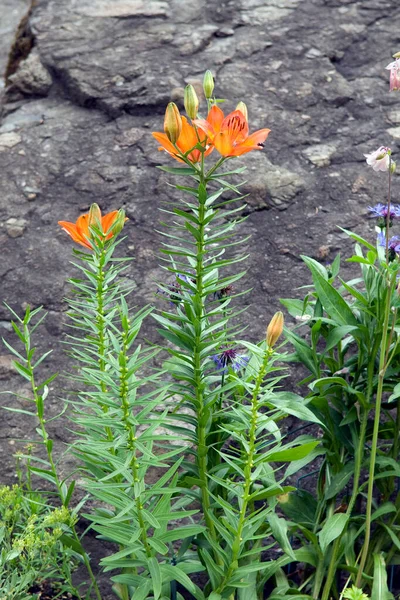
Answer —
229 135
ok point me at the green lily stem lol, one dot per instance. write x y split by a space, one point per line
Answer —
131 433
248 470
49 444
100 321
202 448
374 445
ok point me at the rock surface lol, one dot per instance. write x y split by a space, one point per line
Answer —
76 129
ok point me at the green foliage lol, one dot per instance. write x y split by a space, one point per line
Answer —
32 549
348 324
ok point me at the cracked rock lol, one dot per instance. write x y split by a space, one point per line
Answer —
270 185
32 78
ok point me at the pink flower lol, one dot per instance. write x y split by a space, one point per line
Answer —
394 68
380 159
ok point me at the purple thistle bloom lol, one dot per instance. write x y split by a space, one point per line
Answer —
393 244
381 210
230 357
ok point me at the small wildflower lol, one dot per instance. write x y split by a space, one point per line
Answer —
230 357
274 329
380 159
393 244
381 210
394 81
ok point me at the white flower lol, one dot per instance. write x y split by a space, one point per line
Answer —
394 68
380 159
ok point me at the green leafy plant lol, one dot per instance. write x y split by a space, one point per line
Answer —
32 549
352 354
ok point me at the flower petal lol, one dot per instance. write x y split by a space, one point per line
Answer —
72 231
223 144
236 125
108 220
253 142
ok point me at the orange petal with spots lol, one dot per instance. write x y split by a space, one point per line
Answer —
223 144
252 142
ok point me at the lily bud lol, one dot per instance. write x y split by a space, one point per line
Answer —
94 216
274 329
191 102
243 109
397 55
119 222
208 84
172 122
392 166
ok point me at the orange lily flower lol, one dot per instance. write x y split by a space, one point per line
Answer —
185 142
230 134
80 231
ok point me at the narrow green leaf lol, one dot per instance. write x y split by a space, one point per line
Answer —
155 573
380 590
295 453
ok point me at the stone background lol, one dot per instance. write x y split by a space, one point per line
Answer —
93 83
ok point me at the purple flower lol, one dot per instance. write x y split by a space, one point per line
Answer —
230 357
381 239
393 244
381 210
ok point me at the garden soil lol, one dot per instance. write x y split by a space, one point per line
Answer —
87 83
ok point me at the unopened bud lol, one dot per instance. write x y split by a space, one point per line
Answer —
392 166
274 329
208 84
191 102
119 222
172 122
94 215
397 55
243 109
